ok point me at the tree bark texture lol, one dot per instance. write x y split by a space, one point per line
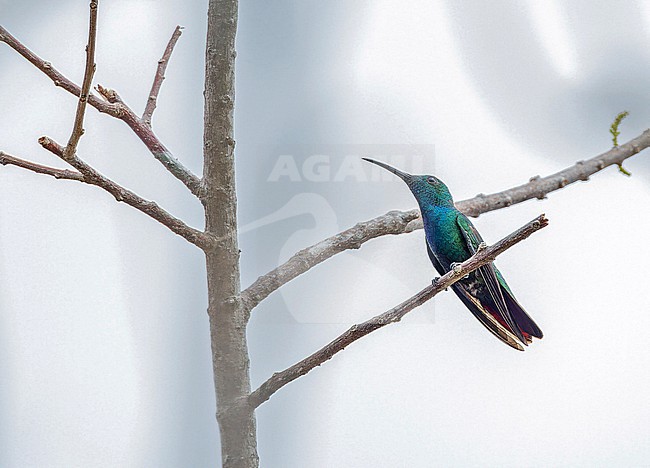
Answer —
228 317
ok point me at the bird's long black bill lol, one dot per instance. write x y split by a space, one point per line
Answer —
405 176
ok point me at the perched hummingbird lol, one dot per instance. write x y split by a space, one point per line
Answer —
452 238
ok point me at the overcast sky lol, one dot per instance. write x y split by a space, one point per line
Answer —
104 345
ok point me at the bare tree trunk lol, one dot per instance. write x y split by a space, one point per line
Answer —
228 317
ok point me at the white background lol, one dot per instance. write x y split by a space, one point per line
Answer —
104 343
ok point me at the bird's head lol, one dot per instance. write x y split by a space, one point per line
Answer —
428 190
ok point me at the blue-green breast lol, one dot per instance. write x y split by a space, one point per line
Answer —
444 235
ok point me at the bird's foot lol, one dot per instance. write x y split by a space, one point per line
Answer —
457 268
481 246
435 281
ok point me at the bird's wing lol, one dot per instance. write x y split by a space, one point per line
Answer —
487 273
477 309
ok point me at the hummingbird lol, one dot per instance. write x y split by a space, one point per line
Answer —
451 238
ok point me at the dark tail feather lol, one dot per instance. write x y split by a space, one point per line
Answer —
523 321
492 322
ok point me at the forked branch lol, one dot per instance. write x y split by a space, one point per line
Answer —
119 110
482 257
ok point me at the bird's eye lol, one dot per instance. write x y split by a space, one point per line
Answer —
432 180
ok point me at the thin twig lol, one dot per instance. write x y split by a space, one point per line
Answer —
400 222
118 110
93 177
7 159
78 127
613 129
160 76
482 257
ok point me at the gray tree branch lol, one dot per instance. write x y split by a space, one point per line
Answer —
160 76
117 109
78 126
400 222
7 159
482 257
86 173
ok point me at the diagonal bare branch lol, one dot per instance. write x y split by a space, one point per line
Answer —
393 222
9 160
400 222
160 76
78 127
115 109
91 176
482 257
